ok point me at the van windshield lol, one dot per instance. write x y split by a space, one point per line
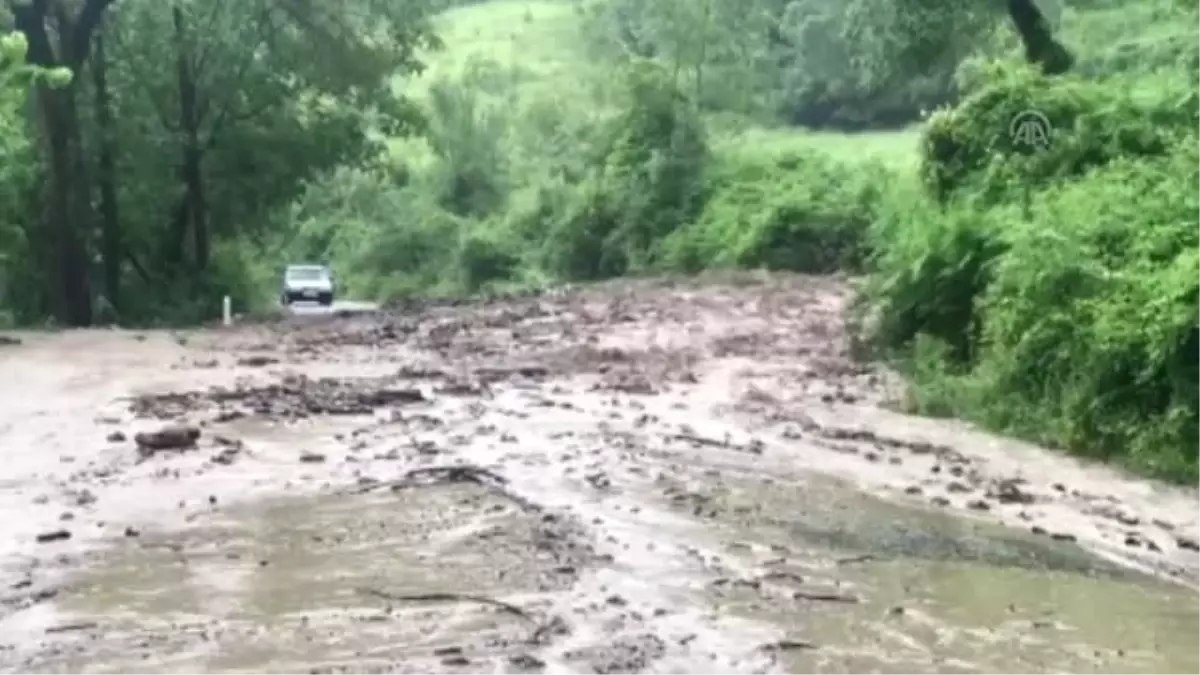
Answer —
306 273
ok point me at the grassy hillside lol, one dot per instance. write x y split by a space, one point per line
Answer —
536 43
526 53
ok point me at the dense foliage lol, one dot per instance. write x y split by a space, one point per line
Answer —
1052 291
184 130
156 154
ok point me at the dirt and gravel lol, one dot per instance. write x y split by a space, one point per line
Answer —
647 476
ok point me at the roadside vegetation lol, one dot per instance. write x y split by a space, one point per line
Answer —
156 155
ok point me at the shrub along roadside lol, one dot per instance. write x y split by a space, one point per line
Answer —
1054 295
1092 122
798 212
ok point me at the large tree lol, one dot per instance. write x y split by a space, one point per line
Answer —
857 63
200 121
262 94
59 35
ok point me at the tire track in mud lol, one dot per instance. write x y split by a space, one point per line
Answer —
636 469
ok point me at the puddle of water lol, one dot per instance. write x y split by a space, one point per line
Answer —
274 588
923 591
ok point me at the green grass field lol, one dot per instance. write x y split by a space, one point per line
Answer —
539 39
518 52
514 49
897 149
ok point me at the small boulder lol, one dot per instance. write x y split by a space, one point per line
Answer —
173 437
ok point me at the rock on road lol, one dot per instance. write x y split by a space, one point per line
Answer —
649 476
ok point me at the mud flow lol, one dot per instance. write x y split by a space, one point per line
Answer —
639 477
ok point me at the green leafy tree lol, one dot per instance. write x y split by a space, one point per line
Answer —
58 36
17 162
856 64
169 161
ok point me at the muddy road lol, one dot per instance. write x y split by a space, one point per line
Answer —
637 477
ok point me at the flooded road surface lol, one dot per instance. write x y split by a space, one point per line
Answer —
636 477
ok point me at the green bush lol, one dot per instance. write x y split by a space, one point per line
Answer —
801 212
653 174
578 241
485 256
1090 326
648 183
1053 294
971 146
929 265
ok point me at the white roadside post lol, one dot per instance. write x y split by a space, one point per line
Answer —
227 311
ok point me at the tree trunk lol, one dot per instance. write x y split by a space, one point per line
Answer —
68 207
191 169
72 292
110 226
702 57
1040 46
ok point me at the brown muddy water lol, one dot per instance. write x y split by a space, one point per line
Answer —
644 477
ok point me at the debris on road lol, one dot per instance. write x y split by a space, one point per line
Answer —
53 535
684 470
294 397
171 437
450 597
